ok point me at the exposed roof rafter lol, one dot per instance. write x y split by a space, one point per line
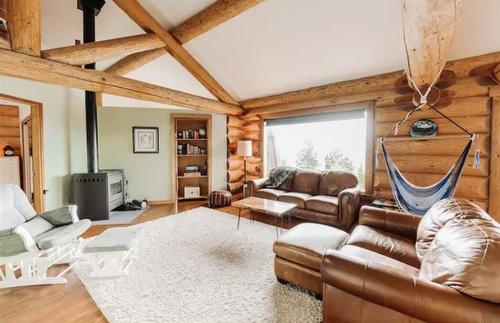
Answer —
205 20
149 24
101 50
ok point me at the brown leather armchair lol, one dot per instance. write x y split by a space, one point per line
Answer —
380 274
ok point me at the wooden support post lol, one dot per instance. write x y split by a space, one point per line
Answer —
24 26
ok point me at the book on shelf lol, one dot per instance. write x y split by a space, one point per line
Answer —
192 174
191 134
189 149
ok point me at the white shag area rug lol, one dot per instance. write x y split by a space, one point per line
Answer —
196 267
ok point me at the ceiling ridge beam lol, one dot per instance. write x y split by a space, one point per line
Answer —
149 24
101 50
205 20
42 70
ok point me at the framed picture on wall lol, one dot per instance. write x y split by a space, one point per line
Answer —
145 140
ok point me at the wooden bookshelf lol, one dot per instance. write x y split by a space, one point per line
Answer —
183 123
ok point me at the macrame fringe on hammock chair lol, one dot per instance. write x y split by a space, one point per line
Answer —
418 199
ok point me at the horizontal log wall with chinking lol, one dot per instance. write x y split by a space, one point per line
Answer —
239 129
425 162
469 94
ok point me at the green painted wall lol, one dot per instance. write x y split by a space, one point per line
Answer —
65 142
149 175
64 133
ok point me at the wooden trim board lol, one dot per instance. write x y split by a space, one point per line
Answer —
37 148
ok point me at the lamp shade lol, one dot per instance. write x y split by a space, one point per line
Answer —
244 148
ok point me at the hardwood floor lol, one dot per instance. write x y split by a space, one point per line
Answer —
71 302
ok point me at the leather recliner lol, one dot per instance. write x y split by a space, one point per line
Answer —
398 267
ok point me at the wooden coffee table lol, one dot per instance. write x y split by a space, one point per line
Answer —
274 208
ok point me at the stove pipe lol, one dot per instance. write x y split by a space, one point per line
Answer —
91 9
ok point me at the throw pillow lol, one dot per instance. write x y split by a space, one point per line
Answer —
59 217
280 178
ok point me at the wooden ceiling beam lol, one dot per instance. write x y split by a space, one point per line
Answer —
210 17
306 105
205 20
149 24
328 91
42 70
367 88
134 61
101 50
24 26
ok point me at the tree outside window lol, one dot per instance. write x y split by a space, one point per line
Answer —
307 158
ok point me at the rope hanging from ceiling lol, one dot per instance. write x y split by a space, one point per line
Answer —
409 197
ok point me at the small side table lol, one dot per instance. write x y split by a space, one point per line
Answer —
275 208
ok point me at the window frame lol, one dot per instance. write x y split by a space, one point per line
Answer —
368 106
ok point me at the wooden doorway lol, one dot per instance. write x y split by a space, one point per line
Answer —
33 154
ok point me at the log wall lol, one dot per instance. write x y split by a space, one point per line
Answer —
469 94
10 132
239 129
425 162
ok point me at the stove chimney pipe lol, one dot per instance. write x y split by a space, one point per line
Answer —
91 9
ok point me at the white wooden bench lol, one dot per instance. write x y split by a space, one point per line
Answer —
111 253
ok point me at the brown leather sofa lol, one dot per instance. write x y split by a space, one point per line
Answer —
329 197
397 267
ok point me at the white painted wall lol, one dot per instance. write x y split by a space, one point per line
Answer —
64 135
149 175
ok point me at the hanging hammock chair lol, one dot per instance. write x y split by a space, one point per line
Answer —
424 65
417 199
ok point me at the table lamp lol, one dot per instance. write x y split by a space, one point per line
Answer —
244 150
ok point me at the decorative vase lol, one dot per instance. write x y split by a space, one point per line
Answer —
203 133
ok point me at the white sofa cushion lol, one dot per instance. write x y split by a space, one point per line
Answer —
11 196
62 235
37 226
10 218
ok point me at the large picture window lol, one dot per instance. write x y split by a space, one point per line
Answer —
325 141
